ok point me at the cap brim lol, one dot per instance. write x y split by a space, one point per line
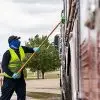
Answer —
18 37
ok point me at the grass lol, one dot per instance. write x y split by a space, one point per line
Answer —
43 96
52 75
48 75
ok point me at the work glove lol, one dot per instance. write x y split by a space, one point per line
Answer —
36 49
16 76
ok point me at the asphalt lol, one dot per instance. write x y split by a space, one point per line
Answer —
46 86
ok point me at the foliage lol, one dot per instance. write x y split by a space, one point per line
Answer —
45 60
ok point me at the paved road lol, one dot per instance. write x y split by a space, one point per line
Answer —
46 85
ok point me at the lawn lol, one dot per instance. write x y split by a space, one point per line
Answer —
44 96
48 75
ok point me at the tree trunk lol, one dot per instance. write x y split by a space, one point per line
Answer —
42 75
38 74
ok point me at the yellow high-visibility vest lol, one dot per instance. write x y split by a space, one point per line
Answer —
15 62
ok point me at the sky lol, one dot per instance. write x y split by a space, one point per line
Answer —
27 18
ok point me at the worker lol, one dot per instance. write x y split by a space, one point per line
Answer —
11 63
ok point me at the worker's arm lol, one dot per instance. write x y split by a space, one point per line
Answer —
5 62
28 49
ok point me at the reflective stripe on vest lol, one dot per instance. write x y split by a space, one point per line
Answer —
16 62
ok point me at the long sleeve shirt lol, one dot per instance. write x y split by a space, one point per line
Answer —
6 58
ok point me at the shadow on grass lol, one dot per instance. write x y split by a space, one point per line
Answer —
44 96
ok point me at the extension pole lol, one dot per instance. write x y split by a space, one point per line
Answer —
39 47
3 74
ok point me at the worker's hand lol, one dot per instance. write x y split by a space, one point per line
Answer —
16 76
36 49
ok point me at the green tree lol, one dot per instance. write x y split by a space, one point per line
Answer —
45 60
